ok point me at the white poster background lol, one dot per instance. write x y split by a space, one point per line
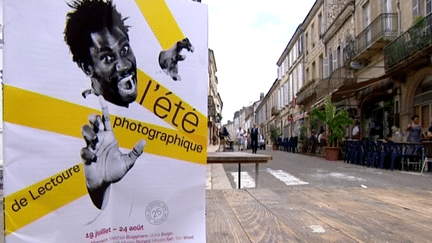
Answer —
37 58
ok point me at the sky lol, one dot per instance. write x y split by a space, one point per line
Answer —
248 37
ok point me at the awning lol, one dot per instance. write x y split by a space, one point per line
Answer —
349 89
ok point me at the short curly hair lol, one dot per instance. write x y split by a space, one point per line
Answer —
88 17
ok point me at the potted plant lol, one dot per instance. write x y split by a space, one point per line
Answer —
336 120
274 135
303 139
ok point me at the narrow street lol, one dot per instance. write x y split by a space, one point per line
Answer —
298 170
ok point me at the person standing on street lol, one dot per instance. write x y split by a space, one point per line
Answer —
414 130
356 131
254 138
240 139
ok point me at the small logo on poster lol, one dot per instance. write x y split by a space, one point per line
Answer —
157 212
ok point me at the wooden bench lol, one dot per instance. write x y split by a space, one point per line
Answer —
239 158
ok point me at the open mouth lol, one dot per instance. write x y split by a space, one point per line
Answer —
127 85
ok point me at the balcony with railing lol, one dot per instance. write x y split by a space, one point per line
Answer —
274 111
306 93
415 39
372 39
339 77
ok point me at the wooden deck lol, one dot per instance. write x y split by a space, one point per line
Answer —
305 214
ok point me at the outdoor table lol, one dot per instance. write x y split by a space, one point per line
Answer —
239 158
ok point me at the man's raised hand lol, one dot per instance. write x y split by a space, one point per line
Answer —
103 162
168 59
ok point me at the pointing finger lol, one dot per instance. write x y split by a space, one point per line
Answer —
105 114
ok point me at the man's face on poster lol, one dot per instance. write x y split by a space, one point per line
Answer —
113 72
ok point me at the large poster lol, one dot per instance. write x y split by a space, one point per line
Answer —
104 120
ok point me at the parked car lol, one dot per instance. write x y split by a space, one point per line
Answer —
261 143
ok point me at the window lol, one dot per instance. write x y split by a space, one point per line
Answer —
335 61
291 58
300 75
416 8
306 42
295 82
287 63
428 7
281 97
290 95
321 66
326 68
388 6
320 26
300 45
367 21
313 35
313 70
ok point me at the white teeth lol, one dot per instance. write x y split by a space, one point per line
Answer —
126 83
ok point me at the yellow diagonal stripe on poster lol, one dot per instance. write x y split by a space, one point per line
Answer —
171 108
38 111
161 21
46 113
31 203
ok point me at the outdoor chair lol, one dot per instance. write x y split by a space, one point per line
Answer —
352 148
371 154
279 143
292 147
347 150
384 154
412 156
427 154
285 143
397 154
360 153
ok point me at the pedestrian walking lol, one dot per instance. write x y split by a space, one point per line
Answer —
254 139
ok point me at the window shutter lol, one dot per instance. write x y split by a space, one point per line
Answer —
326 68
335 60
416 11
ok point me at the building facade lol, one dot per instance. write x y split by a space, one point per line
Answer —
372 57
215 105
291 76
408 62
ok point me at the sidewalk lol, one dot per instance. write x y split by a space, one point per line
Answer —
216 177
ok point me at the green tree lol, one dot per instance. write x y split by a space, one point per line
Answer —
336 120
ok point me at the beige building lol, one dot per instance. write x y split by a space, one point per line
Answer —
373 57
291 76
314 26
408 62
351 64
215 104
267 113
